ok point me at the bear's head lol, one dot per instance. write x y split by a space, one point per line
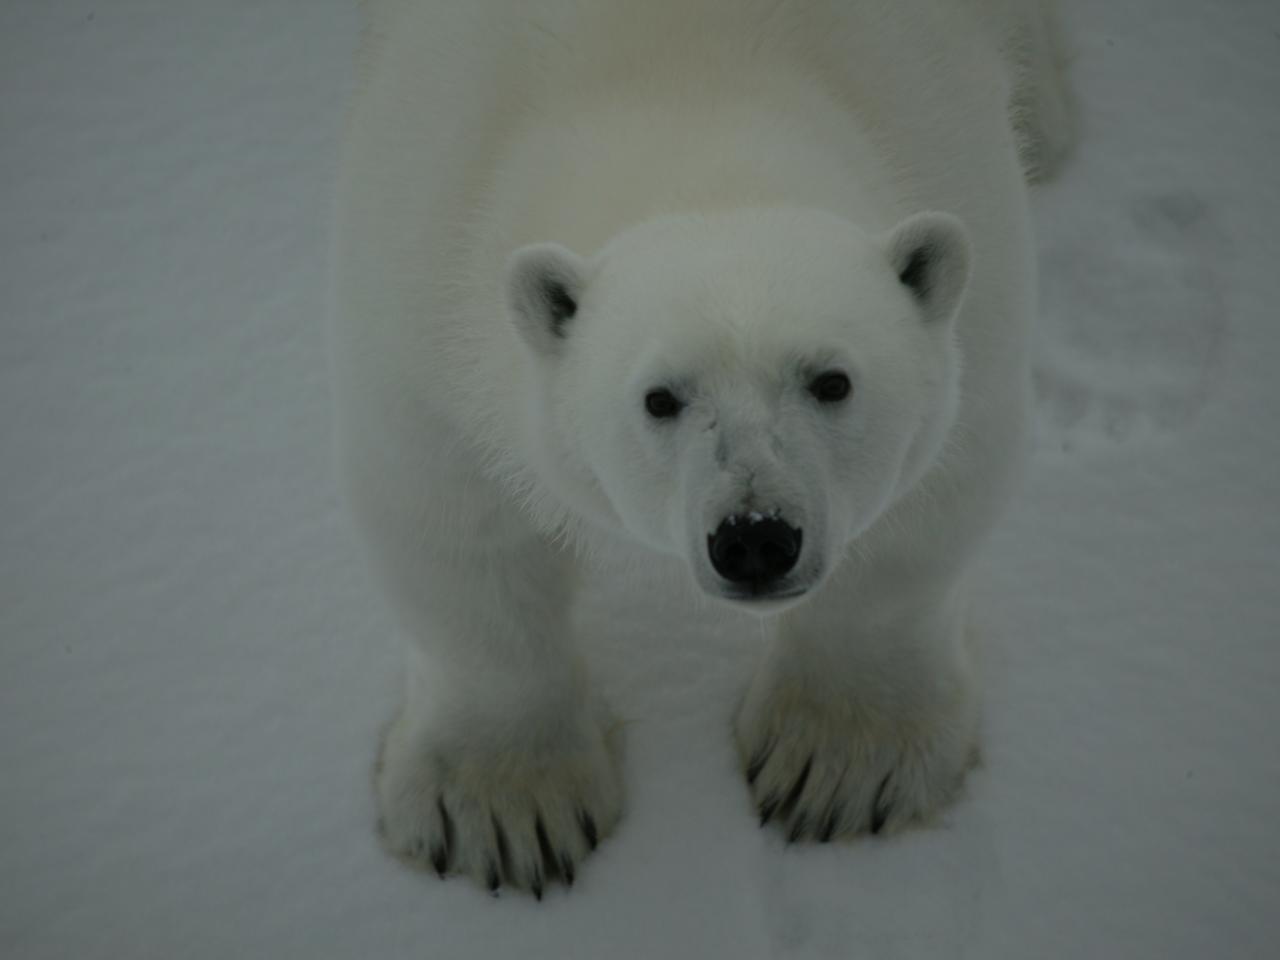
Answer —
748 390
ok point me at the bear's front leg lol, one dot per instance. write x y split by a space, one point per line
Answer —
863 716
499 764
478 777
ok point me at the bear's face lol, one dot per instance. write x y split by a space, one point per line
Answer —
748 390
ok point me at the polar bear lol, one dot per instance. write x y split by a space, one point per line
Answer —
747 282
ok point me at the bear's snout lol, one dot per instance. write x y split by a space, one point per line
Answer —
754 550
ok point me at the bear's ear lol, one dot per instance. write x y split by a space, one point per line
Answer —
930 254
544 283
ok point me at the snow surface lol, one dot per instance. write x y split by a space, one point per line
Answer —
194 663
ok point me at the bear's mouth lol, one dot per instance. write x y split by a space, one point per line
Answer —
765 602
761 599
763 594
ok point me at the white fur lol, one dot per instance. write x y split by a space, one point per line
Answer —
728 190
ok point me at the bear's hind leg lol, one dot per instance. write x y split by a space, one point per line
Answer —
1043 111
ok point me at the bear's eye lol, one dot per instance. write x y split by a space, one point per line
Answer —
830 387
662 404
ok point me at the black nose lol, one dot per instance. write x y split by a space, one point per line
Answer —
753 549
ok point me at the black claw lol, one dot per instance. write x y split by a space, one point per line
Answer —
794 796
491 878
439 860
566 870
797 829
589 829
537 886
880 809
757 764
540 830
767 808
447 821
550 860
829 828
504 850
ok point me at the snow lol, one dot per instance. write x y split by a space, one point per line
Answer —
194 663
